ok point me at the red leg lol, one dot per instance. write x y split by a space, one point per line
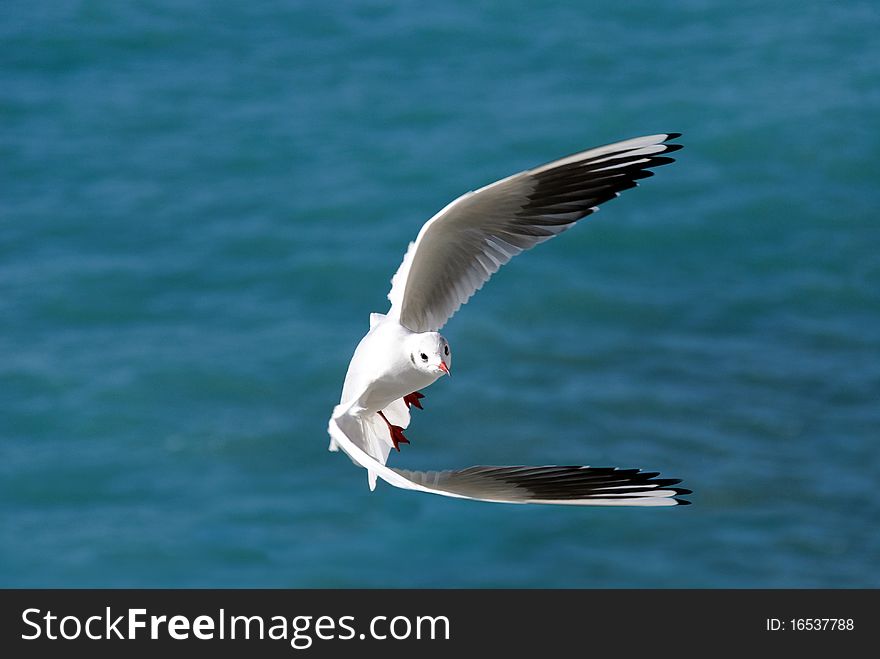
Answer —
397 437
413 399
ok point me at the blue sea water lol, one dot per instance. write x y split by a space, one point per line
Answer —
201 203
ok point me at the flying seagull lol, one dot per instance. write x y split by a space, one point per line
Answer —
454 254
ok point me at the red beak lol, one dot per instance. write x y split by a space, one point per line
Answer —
444 367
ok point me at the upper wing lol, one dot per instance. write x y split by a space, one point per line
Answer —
464 244
568 485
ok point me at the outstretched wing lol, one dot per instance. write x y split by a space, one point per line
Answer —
574 485
463 245
566 485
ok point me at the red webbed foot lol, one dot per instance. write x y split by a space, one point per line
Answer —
397 437
413 399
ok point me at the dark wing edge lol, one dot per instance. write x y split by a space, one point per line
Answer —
554 484
561 485
571 188
463 245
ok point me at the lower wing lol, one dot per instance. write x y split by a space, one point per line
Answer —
565 485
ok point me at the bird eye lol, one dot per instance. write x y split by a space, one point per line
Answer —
446 350
424 357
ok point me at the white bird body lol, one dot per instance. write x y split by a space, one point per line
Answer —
454 254
383 370
380 371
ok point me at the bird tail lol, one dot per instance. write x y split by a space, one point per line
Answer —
376 443
370 435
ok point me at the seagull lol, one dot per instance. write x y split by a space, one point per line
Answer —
454 254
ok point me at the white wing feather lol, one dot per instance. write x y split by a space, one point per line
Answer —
463 245
560 485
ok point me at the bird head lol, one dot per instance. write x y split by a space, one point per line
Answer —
429 352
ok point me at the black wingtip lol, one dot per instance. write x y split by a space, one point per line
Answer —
657 161
666 482
672 136
681 492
